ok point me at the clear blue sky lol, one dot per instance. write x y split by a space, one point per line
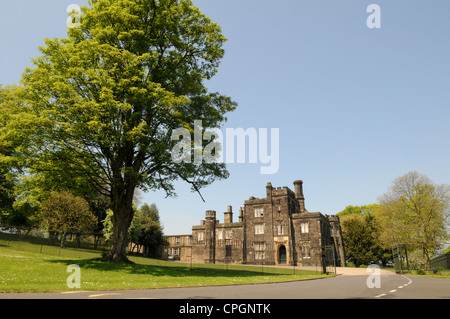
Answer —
356 107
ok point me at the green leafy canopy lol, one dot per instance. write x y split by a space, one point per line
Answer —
106 98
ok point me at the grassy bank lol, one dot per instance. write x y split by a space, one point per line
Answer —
34 271
444 273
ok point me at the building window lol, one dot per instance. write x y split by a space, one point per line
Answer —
260 250
304 228
228 251
260 246
259 212
200 237
260 255
228 234
281 229
259 229
177 240
306 252
220 234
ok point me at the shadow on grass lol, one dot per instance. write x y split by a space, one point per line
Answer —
153 270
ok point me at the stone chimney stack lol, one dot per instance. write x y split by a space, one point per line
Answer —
241 215
228 215
269 191
298 186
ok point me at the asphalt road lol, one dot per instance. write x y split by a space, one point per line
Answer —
354 286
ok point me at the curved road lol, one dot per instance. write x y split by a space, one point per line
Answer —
347 285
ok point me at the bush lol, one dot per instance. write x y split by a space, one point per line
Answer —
421 272
438 270
350 264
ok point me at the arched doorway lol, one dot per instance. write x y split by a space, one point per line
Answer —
282 254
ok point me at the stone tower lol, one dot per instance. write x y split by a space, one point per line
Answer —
210 236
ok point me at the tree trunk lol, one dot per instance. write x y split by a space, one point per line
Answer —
122 206
96 241
78 237
119 241
63 237
52 237
427 264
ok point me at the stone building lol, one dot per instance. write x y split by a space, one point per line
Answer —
276 229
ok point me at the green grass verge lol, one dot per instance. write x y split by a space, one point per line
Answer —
25 271
444 273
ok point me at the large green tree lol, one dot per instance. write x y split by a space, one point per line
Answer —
102 103
361 233
415 213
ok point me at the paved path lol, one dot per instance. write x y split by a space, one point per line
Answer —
349 284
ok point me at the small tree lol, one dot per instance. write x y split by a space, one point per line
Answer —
146 229
64 213
107 225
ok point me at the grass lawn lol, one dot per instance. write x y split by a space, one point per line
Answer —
27 271
444 273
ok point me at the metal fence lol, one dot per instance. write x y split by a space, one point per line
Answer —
256 253
73 247
85 249
441 262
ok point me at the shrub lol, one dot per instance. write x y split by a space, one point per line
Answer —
421 272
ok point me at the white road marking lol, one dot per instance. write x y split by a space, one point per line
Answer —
399 287
73 292
409 280
101 295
